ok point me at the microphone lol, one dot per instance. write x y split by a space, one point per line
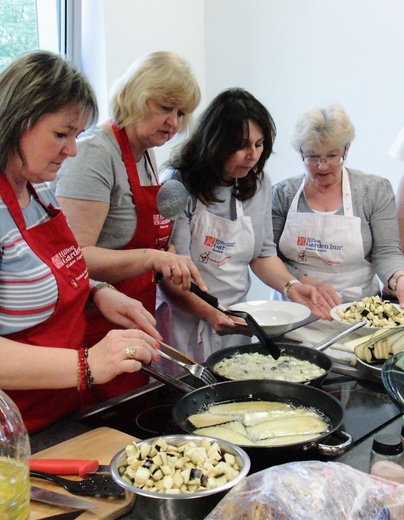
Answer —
172 199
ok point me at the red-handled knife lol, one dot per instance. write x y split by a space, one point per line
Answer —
67 466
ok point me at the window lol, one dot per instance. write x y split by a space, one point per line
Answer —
39 24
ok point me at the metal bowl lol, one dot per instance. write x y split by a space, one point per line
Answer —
369 371
170 506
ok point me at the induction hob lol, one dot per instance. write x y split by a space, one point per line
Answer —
146 412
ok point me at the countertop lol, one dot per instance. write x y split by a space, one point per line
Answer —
69 427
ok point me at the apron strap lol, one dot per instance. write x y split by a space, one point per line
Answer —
346 195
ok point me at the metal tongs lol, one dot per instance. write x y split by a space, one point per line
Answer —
194 368
263 337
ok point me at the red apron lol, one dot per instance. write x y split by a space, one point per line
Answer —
53 242
152 232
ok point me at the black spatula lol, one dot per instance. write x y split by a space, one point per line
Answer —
263 337
96 486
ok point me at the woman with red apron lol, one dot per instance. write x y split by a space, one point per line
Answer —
47 240
151 232
44 283
112 185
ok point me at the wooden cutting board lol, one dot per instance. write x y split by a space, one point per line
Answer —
101 444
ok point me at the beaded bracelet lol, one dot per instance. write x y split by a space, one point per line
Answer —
100 286
84 377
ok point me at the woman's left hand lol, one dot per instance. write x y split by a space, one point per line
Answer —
125 311
308 295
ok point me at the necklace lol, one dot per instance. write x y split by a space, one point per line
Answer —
235 188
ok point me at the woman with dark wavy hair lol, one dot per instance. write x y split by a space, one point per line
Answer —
227 226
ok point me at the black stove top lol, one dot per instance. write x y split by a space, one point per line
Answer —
147 412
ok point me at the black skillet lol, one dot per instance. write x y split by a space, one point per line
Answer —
313 354
281 391
315 357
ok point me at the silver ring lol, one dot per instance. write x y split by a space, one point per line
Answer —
130 352
175 267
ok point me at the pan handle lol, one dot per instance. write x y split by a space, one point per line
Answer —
338 335
337 449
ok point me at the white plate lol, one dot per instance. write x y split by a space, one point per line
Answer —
275 317
363 331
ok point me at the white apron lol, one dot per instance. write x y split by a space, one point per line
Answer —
222 250
329 247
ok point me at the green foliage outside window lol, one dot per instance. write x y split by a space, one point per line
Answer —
18 29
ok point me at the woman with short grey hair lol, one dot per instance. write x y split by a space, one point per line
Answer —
336 227
323 124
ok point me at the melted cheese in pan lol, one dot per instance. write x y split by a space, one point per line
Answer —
260 423
259 366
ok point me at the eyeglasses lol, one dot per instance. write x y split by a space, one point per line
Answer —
316 160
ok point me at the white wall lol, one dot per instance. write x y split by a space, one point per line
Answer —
117 32
291 53
288 53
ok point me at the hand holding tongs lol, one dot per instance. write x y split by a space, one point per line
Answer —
199 371
265 340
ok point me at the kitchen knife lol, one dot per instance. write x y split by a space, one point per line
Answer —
59 499
65 516
68 467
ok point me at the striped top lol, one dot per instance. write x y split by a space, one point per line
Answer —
28 289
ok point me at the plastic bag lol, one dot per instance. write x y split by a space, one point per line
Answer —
312 490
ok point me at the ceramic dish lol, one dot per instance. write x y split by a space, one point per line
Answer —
275 317
363 331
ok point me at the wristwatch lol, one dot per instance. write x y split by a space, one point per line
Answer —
288 285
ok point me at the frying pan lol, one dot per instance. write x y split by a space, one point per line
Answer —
281 391
311 354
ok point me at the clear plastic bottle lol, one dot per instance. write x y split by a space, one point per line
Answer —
387 459
14 463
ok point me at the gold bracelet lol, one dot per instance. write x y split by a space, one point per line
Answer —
396 282
98 287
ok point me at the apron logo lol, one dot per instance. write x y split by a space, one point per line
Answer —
314 244
204 258
302 257
217 245
73 282
209 241
67 257
158 220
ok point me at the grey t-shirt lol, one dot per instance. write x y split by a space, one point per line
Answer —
258 208
98 173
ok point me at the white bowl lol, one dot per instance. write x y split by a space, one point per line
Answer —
363 331
275 317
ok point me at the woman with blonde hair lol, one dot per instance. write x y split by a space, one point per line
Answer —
108 191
